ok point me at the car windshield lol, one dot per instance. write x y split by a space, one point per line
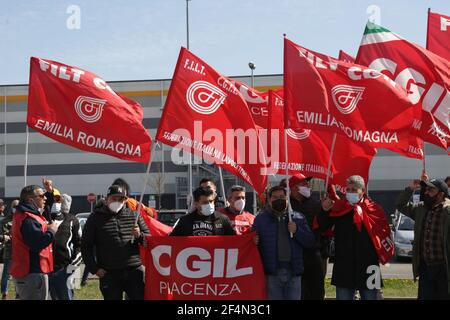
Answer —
406 223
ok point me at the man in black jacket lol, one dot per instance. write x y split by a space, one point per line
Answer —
66 248
115 260
205 220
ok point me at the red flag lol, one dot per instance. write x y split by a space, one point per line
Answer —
206 115
344 56
257 103
414 148
204 268
76 107
327 94
425 75
438 35
309 150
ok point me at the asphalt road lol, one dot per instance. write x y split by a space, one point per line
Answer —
394 269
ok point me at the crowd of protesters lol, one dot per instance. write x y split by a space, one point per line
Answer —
43 244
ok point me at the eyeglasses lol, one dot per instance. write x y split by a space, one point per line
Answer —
42 196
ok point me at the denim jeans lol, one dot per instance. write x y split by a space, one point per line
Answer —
284 286
5 275
59 286
349 294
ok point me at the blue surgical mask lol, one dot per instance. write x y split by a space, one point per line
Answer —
352 198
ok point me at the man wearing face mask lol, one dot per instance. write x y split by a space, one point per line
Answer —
6 230
431 247
66 248
32 257
108 250
362 241
313 279
205 220
241 220
282 255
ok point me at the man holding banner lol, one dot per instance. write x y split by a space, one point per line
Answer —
205 220
281 253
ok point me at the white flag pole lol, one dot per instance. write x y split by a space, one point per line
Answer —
222 187
329 163
147 174
25 169
288 190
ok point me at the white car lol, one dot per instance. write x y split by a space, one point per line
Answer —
403 234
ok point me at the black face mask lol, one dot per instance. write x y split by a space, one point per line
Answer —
279 205
429 201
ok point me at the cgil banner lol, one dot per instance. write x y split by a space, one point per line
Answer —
438 34
76 107
204 268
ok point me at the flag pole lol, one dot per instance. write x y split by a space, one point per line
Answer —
147 174
25 169
252 67
286 157
190 155
288 190
329 163
222 186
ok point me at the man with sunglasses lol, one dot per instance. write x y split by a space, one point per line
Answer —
32 258
431 247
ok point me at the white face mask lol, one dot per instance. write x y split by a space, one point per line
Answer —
115 206
239 205
56 207
207 209
352 197
304 191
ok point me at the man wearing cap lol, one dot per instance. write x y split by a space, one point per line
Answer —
313 284
110 247
431 247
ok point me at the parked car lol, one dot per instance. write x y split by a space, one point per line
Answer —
403 235
169 217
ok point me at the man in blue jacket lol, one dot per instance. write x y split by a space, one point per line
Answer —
282 255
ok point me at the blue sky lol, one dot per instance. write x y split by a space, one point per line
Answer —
140 39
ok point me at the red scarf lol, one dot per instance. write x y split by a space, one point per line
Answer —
374 219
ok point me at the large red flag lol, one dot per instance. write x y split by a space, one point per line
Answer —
309 150
206 115
327 94
438 35
204 268
76 107
425 76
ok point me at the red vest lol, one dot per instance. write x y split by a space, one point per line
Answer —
20 266
242 223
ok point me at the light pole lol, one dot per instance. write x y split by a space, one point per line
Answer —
252 67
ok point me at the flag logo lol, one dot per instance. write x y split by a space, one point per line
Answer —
346 98
89 109
204 98
299 135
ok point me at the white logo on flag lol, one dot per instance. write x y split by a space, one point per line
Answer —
89 109
300 135
346 98
444 24
204 98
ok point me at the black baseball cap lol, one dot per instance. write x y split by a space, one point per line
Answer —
437 184
116 190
